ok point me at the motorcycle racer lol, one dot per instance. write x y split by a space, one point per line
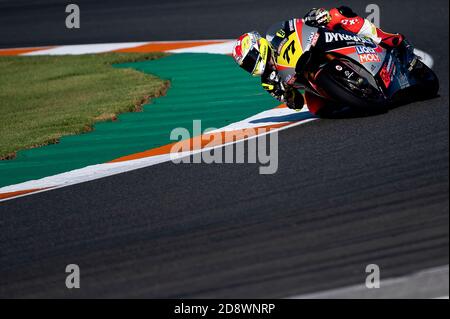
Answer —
256 55
344 18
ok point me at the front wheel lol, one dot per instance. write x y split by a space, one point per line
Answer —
361 93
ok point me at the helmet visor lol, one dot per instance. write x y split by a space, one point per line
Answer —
251 60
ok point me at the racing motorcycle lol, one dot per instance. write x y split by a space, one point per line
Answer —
348 69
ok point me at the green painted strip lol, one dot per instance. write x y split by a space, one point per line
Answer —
207 87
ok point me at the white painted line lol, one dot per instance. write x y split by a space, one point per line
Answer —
425 284
269 117
86 48
94 172
218 48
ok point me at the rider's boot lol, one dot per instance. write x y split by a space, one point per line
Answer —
390 39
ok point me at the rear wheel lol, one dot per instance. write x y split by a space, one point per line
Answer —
427 86
429 83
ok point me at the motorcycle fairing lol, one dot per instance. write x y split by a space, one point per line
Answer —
291 39
362 50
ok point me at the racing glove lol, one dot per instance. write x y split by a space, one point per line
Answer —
317 17
270 82
294 99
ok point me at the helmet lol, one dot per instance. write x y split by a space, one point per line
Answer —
317 17
251 52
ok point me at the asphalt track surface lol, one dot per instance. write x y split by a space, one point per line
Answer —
347 192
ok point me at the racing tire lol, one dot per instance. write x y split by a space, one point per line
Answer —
340 93
427 87
429 82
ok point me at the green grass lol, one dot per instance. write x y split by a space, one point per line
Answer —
43 98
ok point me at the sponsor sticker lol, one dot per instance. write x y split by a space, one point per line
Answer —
282 43
369 57
388 72
291 25
385 76
315 38
403 80
281 33
337 37
364 50
350 21
348 74
273 75
312 40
